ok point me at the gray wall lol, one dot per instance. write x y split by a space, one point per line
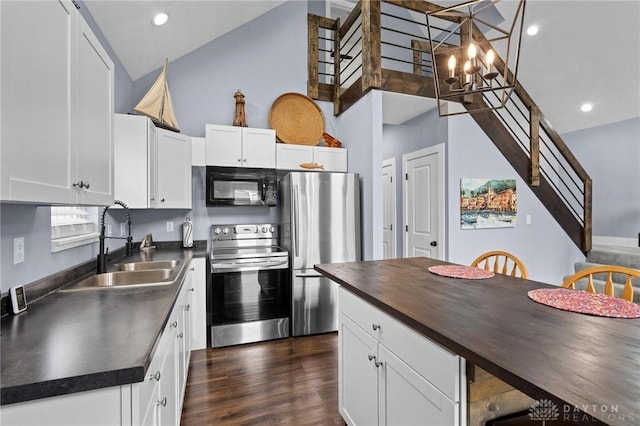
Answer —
427 129
611 156
543 246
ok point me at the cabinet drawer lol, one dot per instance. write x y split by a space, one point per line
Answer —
362 313
439 366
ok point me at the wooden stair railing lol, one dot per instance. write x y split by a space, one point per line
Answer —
519 130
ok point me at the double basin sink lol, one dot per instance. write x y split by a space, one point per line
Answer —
133 274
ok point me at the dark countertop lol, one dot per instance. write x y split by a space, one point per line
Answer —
588 362
75 341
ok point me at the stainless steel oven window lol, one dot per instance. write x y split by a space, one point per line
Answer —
250 296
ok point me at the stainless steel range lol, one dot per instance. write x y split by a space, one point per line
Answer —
251 281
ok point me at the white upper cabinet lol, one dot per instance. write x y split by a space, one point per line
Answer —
173 175
289 157
152 166
232 146
56 106
93 124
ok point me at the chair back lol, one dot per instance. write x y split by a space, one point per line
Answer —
606 274
501 262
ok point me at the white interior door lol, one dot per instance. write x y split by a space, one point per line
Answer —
389 243
423 202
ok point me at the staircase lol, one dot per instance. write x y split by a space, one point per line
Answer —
613 255
384 45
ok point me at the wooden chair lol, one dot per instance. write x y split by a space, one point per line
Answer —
609 270
501 262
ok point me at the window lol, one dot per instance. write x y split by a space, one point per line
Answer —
73 226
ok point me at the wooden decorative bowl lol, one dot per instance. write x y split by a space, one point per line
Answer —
297 119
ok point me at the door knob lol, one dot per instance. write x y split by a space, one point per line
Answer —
434 243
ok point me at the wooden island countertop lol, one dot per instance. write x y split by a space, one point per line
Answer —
591 363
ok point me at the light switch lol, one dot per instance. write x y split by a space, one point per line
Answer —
18 250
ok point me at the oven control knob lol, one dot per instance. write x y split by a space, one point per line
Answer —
216 231
272 229
264 229
225 231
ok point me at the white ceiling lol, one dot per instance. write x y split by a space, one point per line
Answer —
585 51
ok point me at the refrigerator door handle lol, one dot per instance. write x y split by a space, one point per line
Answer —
294 219
311 275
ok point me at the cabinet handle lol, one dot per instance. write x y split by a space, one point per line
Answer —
163 402
192 269
188 307
155 377
375 327
375 361
174 324
78 184
162 200
192 289
86 185
152 199
239 160
180 335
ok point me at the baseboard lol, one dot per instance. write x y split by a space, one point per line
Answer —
615 241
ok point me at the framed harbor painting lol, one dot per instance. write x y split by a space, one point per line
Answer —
488 203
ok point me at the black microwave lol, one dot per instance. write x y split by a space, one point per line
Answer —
230 186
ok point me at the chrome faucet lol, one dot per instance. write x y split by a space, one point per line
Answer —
102 254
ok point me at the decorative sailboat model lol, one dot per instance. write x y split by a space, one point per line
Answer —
156 104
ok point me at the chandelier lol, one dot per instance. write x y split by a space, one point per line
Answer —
474 50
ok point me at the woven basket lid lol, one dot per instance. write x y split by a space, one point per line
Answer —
296 119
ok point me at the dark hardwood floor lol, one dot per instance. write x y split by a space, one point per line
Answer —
281 382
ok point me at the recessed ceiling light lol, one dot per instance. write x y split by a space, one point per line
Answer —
586 107
532 30
160 19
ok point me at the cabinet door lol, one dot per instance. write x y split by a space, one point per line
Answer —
199 304
92 129
357 374
131 165
223 145
174 170
37 58
406 398
259 148
168 404
333 159
289 157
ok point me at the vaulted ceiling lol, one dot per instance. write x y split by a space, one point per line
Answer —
585 51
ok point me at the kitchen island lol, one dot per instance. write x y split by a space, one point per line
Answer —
590 363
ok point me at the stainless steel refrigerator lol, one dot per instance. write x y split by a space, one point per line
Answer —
320 223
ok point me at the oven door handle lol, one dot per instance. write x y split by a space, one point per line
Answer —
262 263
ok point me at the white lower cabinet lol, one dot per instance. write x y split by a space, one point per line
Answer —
198 304
390 375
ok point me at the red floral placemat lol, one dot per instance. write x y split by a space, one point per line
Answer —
585 303
461 271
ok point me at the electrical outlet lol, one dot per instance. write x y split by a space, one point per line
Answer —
169 226
123 229
18 250
109 231
528 218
